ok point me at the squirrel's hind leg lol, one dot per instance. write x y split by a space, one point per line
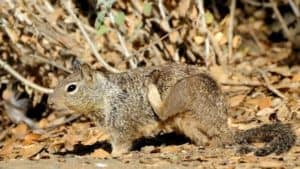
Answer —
188 125
177 100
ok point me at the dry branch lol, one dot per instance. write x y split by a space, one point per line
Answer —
269 85
68 7
123 45
281 21
230 29
200 4
9 69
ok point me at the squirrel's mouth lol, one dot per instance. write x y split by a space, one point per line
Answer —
60 108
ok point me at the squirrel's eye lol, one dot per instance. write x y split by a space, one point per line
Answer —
71 88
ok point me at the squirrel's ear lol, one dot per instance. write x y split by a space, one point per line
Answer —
76 65
86 72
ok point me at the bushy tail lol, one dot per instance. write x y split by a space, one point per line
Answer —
279 138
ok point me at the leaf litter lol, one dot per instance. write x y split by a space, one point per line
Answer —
41 41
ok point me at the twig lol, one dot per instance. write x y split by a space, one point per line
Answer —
163 14
49 6
122 42
216 47
230 29
294 8
69 119
19 52
204 27
282 22
249 84
9 69
269 85
51 63
215 10
259 4
161 9
87 38
143 49
259 44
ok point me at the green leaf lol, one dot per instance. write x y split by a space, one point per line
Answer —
100 16
106 4
99 2
209 17
147 8
120 18
102 30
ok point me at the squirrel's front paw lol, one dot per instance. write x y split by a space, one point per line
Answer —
119 149
117 153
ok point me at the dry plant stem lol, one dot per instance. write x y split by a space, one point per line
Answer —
163 14
10 3
69 119
215 10
143 49
294 8
17 49
259 4
52 63
248 84
161 9
87 38
210 37
204 27
48 5
122 42
282 22
9 69
216 46
230 29
258 43
269 85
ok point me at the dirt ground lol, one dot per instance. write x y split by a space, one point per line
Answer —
173 157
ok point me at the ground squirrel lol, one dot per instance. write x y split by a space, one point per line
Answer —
169 98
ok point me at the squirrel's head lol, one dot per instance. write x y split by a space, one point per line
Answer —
79 91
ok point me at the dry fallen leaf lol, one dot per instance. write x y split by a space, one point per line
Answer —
55 146
271 163
31 150
31 137
261 102
236 41
170 149
174 36
55 15
220 38
283 70
219 73
183 7
198 39
20 131
7 148
95 136
236 100
100 153
265 112
296 77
